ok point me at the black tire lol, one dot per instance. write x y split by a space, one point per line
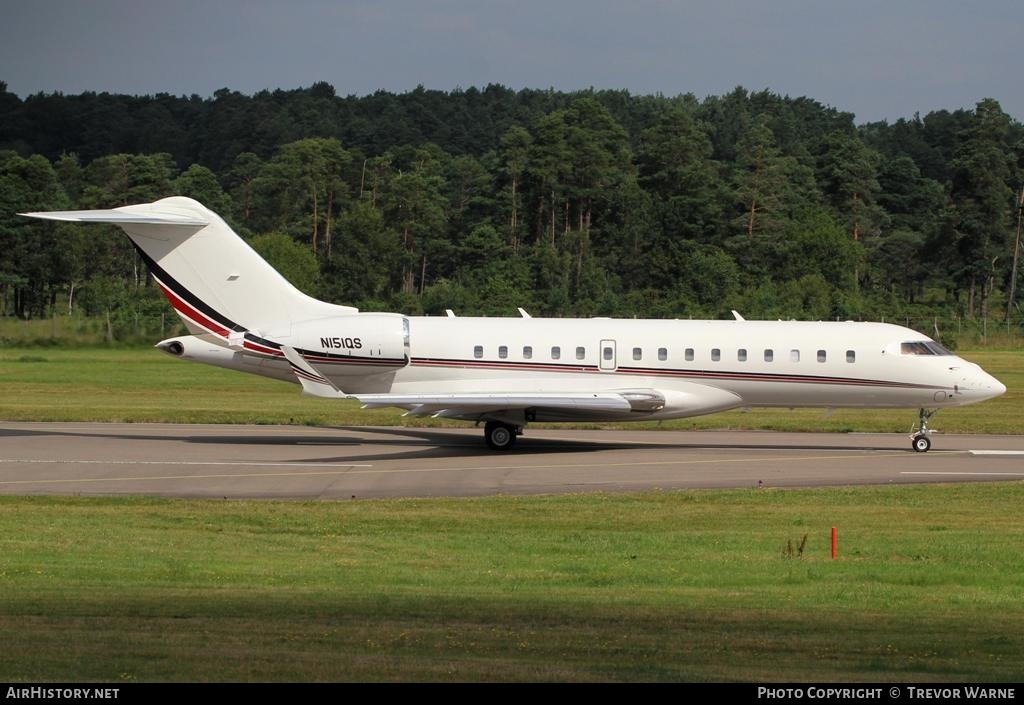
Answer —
499 436
921 443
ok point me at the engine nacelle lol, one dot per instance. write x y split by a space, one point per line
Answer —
356 344
338 346
200 349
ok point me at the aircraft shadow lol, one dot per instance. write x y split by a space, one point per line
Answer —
427 443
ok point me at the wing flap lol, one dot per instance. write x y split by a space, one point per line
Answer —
483 402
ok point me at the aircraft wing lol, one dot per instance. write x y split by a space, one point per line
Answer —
480 404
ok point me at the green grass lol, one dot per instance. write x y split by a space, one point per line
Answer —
61 330
656 586
137 385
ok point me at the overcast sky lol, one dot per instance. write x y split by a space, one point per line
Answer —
880 59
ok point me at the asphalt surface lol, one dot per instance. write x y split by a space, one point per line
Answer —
346 463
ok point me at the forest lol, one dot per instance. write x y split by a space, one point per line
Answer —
587 203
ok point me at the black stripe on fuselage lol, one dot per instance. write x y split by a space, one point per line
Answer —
325 357
696 374
192 300
184 294
503 365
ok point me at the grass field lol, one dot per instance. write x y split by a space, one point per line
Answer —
679 586
136 385
688 586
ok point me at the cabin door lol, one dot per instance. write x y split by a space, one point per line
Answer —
608 357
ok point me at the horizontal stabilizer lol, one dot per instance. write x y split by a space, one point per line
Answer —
119 217
314 383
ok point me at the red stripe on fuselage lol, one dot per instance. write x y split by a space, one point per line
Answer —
184 308
484 365
256 347
656 372
380 362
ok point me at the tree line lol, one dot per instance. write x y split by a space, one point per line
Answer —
585 203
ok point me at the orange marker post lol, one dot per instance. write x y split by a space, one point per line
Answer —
835 543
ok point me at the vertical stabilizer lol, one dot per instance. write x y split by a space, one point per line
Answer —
214 280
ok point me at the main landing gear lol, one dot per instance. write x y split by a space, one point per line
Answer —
920 434
501 436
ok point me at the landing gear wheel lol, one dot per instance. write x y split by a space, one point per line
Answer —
920 434
499 436
921 443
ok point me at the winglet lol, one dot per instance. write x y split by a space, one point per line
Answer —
313 383
738 316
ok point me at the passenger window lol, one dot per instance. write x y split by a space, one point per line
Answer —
741 355
716 354
607 353
556 353
662 354
581 353
527 352
822 356
769 355
794 356
478 351
851 356
689 354
638 354
502 351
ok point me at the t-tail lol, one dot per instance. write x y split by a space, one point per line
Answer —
231 301
214 280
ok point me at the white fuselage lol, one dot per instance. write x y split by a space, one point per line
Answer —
700 366
508 372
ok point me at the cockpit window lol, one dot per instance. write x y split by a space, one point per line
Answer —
923 347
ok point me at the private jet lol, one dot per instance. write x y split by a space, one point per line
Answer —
507 372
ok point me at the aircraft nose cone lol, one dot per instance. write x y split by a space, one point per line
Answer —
990 387
978 385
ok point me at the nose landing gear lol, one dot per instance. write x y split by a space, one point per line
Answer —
920 434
